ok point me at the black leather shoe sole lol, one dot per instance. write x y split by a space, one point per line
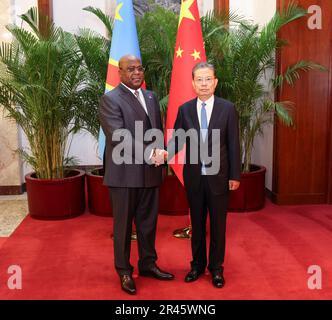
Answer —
152 274
129 291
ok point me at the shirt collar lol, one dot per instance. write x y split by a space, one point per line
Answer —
131 90
209 101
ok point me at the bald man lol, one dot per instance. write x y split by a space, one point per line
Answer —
134 182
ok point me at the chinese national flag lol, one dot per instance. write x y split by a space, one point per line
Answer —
189 50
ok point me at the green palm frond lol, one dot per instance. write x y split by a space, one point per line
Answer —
281 109
23 37
163 104
157 34
107 20
31 17
35 20
94 49
268 37
292 74
291 12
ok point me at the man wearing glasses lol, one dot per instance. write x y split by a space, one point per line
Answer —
133 179
208 180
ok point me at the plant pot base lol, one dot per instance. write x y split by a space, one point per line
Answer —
57 198
98 194
50 218
251 194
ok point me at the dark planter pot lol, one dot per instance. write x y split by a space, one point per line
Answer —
98 195
251 194
57 198
172 197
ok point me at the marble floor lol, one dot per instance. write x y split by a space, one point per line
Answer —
13 210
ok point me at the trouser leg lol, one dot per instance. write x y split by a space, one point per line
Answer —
198 214
146 224
123 205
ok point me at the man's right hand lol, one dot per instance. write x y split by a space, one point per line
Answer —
159 157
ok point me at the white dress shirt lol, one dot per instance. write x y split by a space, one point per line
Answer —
209 107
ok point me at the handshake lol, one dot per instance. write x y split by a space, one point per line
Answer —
159 156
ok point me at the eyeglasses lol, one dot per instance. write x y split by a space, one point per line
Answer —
202 80
132 69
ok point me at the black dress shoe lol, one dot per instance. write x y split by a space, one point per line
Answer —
128 284
192 275
218 279
155 272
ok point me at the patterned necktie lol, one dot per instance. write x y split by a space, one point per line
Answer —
138 97
204 127
136 93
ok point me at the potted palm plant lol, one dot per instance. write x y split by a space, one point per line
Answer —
40 88
245 62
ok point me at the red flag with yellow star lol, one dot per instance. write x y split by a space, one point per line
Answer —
189 50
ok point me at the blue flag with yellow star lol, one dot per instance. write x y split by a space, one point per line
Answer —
124 41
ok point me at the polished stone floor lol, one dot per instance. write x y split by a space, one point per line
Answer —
13 210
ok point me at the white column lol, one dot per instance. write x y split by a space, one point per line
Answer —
205 6
70 15
257 11
17 8
10 163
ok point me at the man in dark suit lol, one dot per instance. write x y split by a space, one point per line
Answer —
126 113
211 169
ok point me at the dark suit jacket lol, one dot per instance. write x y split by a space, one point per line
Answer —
224 118
120 109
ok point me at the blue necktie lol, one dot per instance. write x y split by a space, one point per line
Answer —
204 124
204 127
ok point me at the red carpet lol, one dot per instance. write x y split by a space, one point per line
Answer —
268 256
2 240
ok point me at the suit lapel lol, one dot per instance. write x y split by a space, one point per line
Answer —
132 102
193 113
149 101
215 116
